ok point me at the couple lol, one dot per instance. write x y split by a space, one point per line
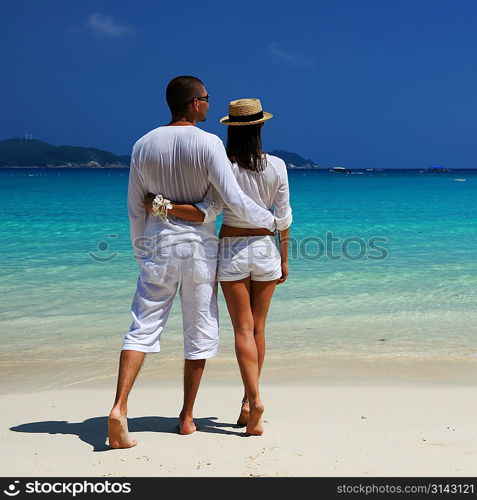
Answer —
178 247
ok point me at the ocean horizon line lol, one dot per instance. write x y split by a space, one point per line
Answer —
314 169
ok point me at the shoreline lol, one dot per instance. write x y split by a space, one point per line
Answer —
27 377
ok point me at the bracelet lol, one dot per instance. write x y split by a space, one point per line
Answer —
160 206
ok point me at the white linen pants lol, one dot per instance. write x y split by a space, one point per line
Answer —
156 288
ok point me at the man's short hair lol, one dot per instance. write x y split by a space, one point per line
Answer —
181 91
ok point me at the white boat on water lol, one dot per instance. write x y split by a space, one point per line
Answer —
436 170
340 170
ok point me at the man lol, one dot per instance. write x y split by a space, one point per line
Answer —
181 162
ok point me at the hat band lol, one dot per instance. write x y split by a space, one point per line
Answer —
246 118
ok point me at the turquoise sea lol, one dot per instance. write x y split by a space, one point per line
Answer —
382 266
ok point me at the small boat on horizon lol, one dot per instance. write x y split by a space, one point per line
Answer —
340 170
433 170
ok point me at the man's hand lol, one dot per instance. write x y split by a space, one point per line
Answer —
284 275
148 202
183 211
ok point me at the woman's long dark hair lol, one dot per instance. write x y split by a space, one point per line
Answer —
244 146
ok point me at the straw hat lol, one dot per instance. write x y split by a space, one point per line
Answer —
245 112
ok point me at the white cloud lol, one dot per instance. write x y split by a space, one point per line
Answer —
281 56
106 25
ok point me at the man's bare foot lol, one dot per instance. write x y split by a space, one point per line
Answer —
255 426
186 425
244 414
118 433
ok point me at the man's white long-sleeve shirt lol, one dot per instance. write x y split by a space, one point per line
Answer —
181 163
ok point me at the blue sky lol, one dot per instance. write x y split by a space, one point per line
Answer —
357 83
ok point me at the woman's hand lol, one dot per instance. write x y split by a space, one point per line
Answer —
148 202
284 237
284 275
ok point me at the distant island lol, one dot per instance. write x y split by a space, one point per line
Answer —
35 153
293 160
31 153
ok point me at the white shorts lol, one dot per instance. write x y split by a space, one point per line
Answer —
244 256
156 288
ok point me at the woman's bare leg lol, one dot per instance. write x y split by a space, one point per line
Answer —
237 297
261 293
248 303
261 297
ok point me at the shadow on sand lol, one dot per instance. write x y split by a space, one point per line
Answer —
94 430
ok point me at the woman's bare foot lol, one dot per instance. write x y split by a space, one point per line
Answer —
118 433
255 426
244 414
186 425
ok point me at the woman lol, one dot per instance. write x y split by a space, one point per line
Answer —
250 265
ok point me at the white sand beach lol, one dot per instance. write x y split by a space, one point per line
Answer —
402 423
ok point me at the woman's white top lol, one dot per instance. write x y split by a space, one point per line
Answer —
268 188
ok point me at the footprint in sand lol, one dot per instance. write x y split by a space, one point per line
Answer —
203 463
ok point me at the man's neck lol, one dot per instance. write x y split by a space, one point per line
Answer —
181 121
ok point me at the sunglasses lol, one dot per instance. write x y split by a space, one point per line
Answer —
203 98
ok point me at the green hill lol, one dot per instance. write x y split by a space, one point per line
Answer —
293 160
35 153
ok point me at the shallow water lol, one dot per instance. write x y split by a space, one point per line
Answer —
68 275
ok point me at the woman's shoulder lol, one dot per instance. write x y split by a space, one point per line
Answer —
273 167
277 164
